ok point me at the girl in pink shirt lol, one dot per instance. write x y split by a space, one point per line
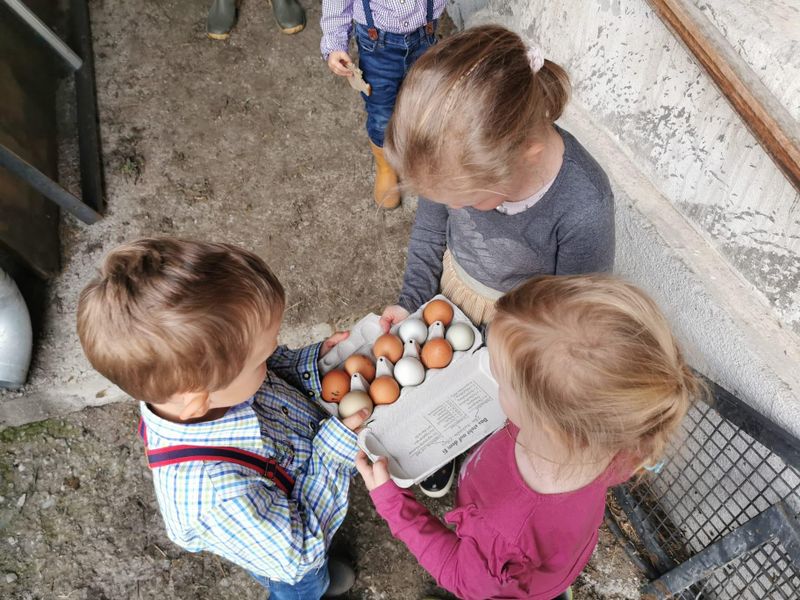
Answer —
593 384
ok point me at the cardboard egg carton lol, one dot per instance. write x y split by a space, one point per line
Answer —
453 409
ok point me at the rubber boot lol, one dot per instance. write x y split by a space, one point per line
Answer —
221 19
342 578
289 15
387 193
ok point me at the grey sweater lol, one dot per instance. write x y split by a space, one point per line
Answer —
569 231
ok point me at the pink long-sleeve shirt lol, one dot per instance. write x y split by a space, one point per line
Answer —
509 541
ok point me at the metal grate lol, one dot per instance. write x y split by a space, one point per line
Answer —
720 518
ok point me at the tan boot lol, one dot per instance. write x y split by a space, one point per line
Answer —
387 193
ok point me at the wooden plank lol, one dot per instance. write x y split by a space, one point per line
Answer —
764 115
28 78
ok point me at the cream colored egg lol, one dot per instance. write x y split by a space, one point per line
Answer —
354 402
461 336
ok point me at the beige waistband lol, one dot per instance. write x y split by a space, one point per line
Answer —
476 286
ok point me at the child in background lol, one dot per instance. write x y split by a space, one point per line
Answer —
245 464
593 384
506 194
390 37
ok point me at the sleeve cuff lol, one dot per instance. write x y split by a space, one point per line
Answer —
385 492
329 45
337 442
409 304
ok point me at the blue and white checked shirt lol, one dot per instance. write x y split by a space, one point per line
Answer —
232 511
394 16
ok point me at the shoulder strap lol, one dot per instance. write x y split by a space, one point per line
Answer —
170 455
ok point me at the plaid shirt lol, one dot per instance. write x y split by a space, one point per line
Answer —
232 511
394 16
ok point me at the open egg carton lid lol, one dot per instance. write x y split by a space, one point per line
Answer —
431 423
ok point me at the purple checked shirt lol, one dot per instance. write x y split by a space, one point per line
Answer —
394 16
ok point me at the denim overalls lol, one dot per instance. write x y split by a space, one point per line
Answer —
385 58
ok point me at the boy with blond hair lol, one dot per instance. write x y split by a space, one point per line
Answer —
245 463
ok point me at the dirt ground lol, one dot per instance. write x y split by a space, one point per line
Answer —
250 141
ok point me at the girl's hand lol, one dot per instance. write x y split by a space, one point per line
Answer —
338 62
391 315
328 344
374 475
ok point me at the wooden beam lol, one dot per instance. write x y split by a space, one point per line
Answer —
769 121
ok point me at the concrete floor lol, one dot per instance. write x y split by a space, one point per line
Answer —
250 141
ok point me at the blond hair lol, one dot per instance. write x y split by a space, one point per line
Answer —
167 316
592 357
468 108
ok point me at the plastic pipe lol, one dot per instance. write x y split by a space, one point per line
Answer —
16 335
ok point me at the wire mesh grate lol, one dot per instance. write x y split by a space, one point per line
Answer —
764 573
716 478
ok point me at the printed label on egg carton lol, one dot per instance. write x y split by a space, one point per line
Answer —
436 422
452 409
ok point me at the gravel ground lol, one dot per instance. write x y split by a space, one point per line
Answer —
79 521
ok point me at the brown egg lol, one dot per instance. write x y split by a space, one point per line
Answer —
335 385
358 363
438 310
384 390
436 354
390 346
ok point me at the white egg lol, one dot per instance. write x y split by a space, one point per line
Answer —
413 329
354 402
409 371
461 336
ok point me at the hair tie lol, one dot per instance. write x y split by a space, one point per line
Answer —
535 58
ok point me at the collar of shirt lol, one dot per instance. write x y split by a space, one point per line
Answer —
238 427
514 208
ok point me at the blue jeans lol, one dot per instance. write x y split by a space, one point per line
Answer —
385 62
310 587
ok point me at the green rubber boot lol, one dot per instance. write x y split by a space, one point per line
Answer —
289 15
221 19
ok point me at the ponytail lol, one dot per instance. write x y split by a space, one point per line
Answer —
553 89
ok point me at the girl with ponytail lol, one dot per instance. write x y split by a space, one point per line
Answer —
505 194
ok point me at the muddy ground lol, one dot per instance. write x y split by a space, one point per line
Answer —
250 141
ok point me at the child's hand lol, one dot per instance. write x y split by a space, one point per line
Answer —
391 315
328 344
353 422
338 61
374 475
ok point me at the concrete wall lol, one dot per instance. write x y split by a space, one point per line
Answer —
765 36
706 221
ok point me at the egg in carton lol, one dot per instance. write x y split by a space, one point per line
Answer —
448 323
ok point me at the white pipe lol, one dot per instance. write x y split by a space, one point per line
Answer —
16 335
50 38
